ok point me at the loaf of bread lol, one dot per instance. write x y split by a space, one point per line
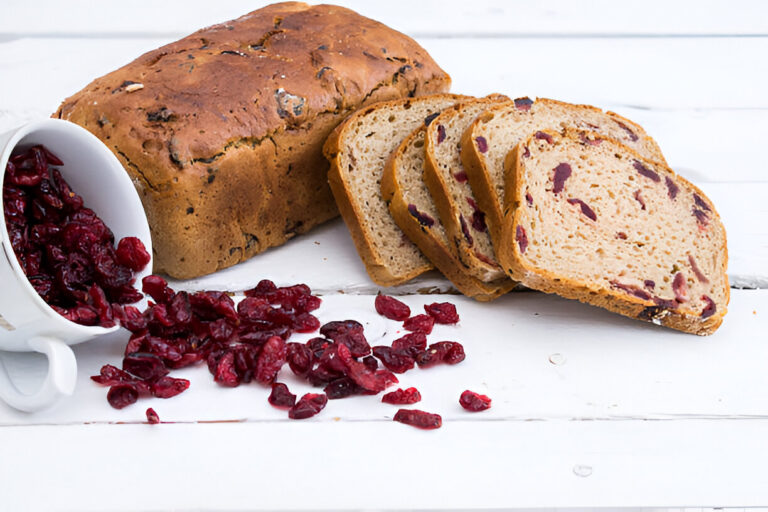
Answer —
222 131
493 134
589 218
447 181
414 211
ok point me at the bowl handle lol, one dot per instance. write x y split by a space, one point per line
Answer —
59 382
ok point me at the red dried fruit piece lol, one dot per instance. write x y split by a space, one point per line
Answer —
423 218
561 173
374 381
305 322
482 144
410 344
122 395
225 371
419 323
342 387
144 366
631 290
585 209
281 397
271 359
167 387
307 406
680 287
130 317
474 402
461 177
132 253
299 358
699 275
478 216
526 152
465 231
440 133
111 375
639 198
157 288
701 203
543 136
152 417
392 360
672 188
701 217
371 363
180 309
349 333
392 308
632 135
448 352
419 419
710 308
402 397
649 284
431 117
442 312
523 104
645 171
521 238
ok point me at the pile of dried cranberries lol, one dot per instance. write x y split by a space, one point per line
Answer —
67 253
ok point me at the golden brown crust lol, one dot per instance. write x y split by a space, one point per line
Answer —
449 212
378 269
426 240
540 279
480 176
222 131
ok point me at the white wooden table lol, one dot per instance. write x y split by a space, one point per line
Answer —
590 409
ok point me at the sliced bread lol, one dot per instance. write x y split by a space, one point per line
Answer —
446 179
494 133
357 150
589 218
411 205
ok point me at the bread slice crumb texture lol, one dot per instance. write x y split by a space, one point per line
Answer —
591 219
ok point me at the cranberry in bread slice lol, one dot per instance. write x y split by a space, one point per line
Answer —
588 218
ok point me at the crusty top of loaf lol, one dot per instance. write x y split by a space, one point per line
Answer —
231 84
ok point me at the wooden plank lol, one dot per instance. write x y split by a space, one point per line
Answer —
539 357
362 466
488 18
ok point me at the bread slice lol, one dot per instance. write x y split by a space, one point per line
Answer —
492 135
357 150
446 179
411 205
590 219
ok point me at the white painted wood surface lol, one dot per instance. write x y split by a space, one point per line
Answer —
652 417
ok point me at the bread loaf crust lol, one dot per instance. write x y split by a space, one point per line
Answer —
425 238
544 280
222 131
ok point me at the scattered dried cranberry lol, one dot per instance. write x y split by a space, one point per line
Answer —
440 133
307 406
442 312
482 144
448 352
639 198
168 387
343 387
465 231
461 177
562 173
680 287
632 135
672 188
699 275
523 104
65 249
349 333
419 323
544 136
122 395
152 416
710 307
410 344
522 238
281 397
419 419
478 216
474 402
271 359
423 218
392 308
632 290
398 362
402 397
585 209
645 171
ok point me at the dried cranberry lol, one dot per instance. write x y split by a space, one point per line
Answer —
672 188
402 397
281 397
299 358
393 360
523 104
122 395
585 209
645 171
701 203
482 144
392 308
465 231
448 352
639 198
374 381
132 253
440 133
225 373
474 402
632 135
522 238
410 344
371 363
152 417
271 359
544 136
343 387
710 308
680 287
461 177
167 387
157 288
699 275
349 333
419 419
562 173
307 406
430 118
649 284
478 216
632 290
422 218
144 366
442 312
419 323
112 375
